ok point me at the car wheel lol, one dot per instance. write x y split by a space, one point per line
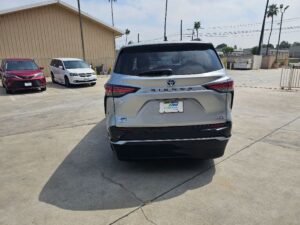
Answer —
8 91
93 84
52 78
67 82
44 89
119 153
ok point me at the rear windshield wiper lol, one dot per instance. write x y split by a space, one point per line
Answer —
166 72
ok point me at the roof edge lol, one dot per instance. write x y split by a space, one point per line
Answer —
117 31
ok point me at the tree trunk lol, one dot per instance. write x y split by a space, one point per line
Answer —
197 33
270 36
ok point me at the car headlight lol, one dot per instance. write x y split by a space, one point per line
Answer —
73 74
8 75
39 75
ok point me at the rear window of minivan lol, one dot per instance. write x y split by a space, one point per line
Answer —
176 59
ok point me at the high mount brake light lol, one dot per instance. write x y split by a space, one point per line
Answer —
118 91
226 86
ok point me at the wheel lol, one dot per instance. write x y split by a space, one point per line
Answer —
52 78
8 91
67 82
93 84
44 89
119 153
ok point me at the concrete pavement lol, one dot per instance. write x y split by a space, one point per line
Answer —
57 168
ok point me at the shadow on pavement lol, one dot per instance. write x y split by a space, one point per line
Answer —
50 84
91 178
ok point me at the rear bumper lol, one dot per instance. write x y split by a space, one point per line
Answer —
221 130
202 149
202 141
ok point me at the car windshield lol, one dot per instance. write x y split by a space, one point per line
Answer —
167 59
21 65
76 64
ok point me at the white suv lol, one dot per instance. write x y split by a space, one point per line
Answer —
71 71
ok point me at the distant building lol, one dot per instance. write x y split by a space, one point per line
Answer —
51 29
282 53
295 52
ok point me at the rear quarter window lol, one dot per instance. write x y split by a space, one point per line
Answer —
182 59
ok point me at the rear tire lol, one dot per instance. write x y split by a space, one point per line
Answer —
52 78
44 89
8 91
93 84
67 82
120 157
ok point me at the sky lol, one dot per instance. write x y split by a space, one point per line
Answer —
234 22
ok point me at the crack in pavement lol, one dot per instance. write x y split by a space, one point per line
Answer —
203 171
123 187
146 217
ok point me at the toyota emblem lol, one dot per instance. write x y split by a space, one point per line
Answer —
171 83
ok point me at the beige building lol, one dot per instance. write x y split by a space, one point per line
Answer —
51 29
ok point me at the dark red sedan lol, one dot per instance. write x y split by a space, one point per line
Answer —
22 74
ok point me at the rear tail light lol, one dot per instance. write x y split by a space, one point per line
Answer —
226 86
118 91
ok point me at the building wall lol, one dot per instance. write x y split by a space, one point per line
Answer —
53 31
295 52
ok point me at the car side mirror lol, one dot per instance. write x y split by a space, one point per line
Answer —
60 67
41 68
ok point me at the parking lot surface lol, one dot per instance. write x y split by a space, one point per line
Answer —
57 167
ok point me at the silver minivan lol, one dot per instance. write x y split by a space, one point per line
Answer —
168 100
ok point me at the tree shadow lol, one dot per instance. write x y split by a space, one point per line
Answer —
91 178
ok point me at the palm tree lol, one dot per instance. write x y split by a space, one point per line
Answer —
197 26
112 11
127 32
272 11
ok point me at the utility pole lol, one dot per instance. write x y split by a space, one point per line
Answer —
262 29
138 38
81 31
112 13
192 35
180 30
282 10
165 28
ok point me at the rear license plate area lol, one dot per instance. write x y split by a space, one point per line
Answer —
174 106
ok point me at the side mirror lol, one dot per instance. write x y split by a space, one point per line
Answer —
41 68
60 67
